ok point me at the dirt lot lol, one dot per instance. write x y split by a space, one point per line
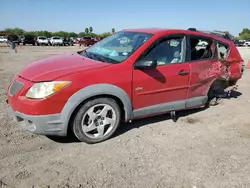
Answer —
206 148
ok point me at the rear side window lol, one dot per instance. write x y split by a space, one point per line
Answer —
201 48
223 50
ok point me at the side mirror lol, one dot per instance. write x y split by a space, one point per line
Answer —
145 64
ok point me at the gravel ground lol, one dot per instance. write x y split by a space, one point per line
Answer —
203 149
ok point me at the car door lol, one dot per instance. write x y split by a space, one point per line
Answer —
204 68
164 87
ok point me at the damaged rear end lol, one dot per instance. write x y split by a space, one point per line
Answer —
231 70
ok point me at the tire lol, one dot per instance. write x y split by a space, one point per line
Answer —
24 44
113 114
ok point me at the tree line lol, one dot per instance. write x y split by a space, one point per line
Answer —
87 32
243 35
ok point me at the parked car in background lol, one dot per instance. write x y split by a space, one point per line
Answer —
29 39
42 40
91 92
238 42
67 41
3 39
15 39
247 43
21 38
76 41
56 41
87 41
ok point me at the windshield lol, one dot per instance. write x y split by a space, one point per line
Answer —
42 38
117 47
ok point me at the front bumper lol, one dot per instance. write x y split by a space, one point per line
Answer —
57 42
40 124
43 42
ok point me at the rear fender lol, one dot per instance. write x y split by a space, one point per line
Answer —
232 65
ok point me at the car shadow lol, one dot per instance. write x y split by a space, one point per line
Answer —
235 94
126 127
70 138
136 124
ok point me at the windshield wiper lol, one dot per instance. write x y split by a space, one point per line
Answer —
98 57
87 54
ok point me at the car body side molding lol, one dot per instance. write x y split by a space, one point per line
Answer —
170 106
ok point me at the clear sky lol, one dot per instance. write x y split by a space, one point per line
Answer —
76 15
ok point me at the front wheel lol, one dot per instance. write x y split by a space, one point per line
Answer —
97 120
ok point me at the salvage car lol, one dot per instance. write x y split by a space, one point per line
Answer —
238 43
87 41
3 39
56 41
91 92
42 40
67 41
29 39
247 43
13 38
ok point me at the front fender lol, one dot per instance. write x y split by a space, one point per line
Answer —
95 90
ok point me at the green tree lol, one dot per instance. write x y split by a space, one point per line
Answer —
113 30
15 31
30 33
90 29
104 35
72 34
81 34
244 34
86 30
47 34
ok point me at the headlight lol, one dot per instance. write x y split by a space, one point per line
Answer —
44 89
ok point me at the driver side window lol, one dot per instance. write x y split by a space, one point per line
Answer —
168 51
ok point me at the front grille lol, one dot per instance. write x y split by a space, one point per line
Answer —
15 87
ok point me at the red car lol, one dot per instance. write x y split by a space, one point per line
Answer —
130 74
87 41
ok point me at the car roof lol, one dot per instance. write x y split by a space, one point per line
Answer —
155 30
152 30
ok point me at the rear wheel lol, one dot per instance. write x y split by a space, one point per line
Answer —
97 120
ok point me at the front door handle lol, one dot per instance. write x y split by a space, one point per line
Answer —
183 73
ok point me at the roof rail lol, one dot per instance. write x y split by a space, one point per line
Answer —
215 33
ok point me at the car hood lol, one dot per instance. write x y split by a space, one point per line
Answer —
55 66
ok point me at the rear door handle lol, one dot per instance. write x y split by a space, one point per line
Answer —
183 73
